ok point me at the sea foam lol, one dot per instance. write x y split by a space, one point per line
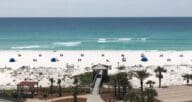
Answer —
102 40
139 39
67 44
124 39
26 47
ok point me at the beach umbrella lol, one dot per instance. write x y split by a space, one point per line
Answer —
168 60
82 55
107 60
40 55
19 55
123 59
181 55
53 59
161 55
142 55
12 60
144 59
34 60
61 55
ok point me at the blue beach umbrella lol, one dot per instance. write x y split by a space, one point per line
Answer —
53 59
12 60
144 59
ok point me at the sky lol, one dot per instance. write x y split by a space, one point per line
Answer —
95 8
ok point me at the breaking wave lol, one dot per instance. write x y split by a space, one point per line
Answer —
26 47
67 44
102 40
118 40
124 39
132 39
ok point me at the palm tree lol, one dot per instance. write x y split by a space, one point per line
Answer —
51 86
150 83
59 84
142 75
118 86
124 83
159 70
113 82
187 77
150 94
119 81
75 91
115 87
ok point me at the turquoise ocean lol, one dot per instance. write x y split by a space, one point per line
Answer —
96 33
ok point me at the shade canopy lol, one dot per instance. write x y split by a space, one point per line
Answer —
53 59
12 60
99 66
144 59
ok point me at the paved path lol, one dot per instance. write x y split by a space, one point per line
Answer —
55 99
175 94
90 98
2 100
94 98
97 83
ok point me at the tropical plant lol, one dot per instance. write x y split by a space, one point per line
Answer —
120 84
142 75
150 83
113 82
51 86
124 83
187 77
60 89
159 70
150 94
85 78
133 96
75 90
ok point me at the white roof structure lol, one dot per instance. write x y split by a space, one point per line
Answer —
100 66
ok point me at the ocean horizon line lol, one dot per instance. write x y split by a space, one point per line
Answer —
107 17
102 50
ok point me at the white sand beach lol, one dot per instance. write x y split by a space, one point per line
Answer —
42 65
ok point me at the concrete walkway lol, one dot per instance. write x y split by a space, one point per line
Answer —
175 94
90 98
55 99
2 100
94 98
97 83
